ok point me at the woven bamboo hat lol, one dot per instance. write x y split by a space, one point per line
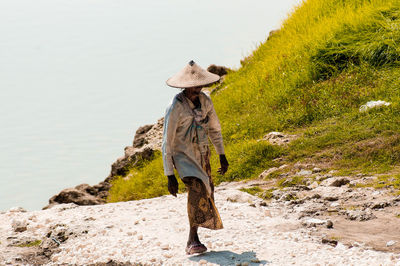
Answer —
192 75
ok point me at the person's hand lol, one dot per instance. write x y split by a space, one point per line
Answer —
172 185
224 164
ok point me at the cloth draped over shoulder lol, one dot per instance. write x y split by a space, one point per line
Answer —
185 137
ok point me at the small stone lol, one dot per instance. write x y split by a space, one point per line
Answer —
331 242
390 243
140 237
165 247
335 204
17 209
245 263
316 196
360 215
304 172
331 198
229 243
19 226
380 205
167 255
314 185
338 182
132 233
316 170
329 224
313 222
202 262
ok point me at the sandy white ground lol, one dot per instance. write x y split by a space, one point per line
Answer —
154 232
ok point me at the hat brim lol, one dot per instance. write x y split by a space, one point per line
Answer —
189 85
192 76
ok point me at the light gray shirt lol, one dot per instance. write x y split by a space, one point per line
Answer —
184 140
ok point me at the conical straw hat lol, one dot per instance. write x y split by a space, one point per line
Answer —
192 75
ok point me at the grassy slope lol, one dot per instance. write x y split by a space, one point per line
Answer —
310 78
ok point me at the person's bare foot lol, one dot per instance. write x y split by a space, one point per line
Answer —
194 245
195 248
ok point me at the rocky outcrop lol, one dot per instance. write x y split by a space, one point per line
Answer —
219 70
147 140
82 194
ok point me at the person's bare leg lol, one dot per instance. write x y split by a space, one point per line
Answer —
193 236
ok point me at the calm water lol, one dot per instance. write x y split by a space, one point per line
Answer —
78 77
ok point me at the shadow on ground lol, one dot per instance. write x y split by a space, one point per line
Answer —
226 257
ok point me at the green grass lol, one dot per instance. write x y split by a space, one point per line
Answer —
328 58
31 244
384 181
252 190
144 181
291 181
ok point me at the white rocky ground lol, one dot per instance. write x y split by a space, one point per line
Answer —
154 231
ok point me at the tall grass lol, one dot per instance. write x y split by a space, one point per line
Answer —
310 78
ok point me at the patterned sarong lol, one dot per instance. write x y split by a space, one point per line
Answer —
201 206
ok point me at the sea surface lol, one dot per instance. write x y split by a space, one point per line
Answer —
78 77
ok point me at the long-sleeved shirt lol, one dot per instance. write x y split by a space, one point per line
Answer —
185 136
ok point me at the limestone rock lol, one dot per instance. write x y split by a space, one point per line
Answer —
238 196
140 136
266 173
147 139
278 138
373 104
338 182
219 70
329 224
304 172
313 222
390 243
332 242
17 209
360 215
19 226
335 182
316 170
80 195
380 205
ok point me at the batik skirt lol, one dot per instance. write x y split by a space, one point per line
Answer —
201 206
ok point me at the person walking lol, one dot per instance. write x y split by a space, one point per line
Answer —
190 121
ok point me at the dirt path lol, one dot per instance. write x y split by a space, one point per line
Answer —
154 231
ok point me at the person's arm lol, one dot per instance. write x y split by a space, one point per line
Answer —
214 133
169 131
